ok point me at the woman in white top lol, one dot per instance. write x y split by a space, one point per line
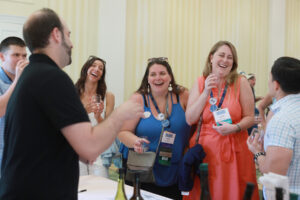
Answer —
90 84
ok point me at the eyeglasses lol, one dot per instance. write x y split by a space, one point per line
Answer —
159 59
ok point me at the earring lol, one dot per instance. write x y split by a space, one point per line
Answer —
170 88
148 88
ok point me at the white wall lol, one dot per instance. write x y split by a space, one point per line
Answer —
112 33
276 30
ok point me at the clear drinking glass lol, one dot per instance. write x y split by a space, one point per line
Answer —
97 99
145 145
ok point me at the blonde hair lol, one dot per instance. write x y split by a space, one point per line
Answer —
233 75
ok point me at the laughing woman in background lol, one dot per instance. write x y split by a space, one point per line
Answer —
164 104
221 90
90 85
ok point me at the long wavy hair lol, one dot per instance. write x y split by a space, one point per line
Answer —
143 89
101 88
233 75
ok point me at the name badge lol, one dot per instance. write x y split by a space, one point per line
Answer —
222 115
165 149
168 137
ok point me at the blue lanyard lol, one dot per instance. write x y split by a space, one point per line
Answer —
222 98
165 122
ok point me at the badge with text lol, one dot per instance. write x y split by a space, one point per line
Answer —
165 148
147 114
160 116
212 101
222 115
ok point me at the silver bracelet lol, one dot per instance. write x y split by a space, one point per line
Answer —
258 154
239 128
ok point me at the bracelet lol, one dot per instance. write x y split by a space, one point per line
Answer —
239 128
258 154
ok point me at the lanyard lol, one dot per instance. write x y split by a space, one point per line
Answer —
222 98
161 116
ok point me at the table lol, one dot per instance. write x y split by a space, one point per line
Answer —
98 187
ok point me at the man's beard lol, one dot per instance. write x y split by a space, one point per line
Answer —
68 51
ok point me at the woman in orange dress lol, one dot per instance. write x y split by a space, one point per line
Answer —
221 90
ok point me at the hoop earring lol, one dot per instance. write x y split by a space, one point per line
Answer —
148 88
170 88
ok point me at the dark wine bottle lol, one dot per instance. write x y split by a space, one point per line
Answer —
248 191
205 195
279 193
136 188
121 195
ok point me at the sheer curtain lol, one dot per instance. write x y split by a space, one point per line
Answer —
184 31
292 31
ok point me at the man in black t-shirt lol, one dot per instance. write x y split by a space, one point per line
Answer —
46 127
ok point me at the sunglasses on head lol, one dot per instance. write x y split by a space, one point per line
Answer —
161 59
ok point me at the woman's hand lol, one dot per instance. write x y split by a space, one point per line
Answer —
210 82
138 144
96 108
225 128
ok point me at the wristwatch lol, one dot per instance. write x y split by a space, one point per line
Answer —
257 155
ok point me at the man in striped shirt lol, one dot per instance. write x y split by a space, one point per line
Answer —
280 152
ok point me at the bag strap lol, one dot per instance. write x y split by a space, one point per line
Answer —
198 129
161 134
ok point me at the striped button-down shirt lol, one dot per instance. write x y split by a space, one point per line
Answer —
283 130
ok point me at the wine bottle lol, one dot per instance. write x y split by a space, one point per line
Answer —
205 195
121 192
248 191
279 193
136 188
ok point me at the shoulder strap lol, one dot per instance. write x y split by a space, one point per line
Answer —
145 102
198 129
178 99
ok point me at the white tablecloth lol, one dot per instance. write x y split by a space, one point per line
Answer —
105 189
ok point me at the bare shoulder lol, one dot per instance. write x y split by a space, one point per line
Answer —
184 95
244 82
137 97
109 95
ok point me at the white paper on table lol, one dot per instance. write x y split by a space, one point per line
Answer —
105 189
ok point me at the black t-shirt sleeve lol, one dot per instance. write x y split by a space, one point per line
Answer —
59 100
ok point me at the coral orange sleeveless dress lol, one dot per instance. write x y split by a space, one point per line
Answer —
230 163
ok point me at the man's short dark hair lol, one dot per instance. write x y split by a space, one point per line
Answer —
37 30
286 71
4 46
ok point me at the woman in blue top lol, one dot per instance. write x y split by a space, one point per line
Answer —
164 101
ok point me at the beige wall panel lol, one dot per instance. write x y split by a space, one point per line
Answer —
292 31
20 7
82 19
184 31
